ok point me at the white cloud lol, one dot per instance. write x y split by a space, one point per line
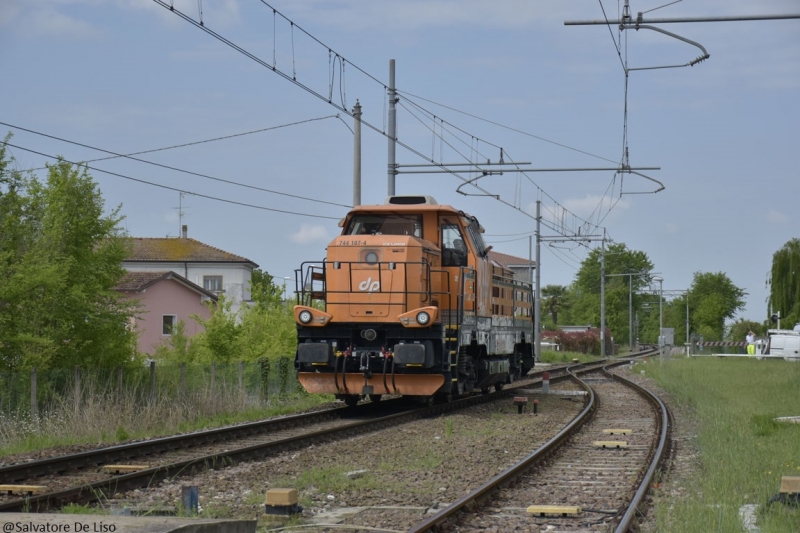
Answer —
309 233
777 216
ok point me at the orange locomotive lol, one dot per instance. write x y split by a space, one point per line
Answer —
408 302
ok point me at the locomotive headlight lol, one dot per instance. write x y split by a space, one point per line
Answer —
423 318
305 316
371 258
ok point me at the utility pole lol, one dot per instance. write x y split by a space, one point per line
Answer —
537 306
392 126
603 296
357 154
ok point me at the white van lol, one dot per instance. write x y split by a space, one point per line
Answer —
785 342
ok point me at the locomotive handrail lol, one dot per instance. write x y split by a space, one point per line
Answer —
307 269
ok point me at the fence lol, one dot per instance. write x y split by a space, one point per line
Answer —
36 392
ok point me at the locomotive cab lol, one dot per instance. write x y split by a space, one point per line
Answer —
407 302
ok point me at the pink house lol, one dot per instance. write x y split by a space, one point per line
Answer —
165 298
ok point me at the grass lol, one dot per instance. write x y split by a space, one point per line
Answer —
743 451
554 357
108 419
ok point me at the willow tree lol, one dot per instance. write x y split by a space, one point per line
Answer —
784 282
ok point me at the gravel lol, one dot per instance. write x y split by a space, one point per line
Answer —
410 470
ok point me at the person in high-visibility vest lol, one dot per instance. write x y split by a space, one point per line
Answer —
751 343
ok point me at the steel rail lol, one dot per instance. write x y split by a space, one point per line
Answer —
112 454
508 475
505 477
94 491
91 492
98 457
658 456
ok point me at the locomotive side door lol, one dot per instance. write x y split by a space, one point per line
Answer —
458 262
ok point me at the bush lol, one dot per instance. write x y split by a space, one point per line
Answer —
587 342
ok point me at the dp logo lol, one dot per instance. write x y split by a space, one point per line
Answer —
369 285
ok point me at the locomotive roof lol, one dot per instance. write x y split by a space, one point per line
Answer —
405 208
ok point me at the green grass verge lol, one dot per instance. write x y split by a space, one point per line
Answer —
743 451
109 423
554 357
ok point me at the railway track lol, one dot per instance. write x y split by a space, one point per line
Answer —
80 478
573 483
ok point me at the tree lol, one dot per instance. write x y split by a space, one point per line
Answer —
784 282
264 292
712 299
60 258
586 287
741 327
553 300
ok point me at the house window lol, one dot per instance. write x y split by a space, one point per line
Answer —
212 283
168 324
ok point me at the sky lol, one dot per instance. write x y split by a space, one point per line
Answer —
476 79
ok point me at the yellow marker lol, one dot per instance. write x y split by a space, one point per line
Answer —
610 444
118 469
23 489
542 510
617 431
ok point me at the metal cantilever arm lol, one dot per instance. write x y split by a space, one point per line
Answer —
629 171
692 63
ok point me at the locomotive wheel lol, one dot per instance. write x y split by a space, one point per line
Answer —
351 400
498 386
444 397
485 390
375 397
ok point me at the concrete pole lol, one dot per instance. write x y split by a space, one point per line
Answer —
357 154
392 133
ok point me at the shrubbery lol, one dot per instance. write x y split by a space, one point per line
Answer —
580 341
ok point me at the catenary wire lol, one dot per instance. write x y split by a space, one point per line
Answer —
515 130
211 140
168 167
308 89
58 158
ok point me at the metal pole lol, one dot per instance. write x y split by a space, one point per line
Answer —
630 312
357 154
603 296
537 309
687 317
392 133
660 320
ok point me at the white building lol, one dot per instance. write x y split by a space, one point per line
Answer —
218 271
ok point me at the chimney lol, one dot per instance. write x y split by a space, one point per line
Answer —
184 231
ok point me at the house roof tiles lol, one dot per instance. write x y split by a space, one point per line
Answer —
510 260
179 250
138 281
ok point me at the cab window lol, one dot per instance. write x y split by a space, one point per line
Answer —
385 225
454 248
